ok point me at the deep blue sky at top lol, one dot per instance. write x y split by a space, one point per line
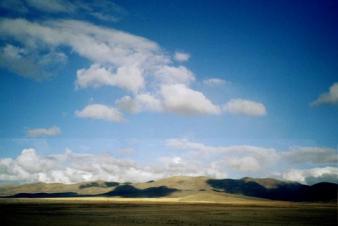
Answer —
281 53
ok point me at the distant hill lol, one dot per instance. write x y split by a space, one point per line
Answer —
132 192
277 190
85 188
184 187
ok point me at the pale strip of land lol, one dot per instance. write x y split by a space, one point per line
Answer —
118 200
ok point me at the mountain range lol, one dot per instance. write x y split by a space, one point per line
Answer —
184 187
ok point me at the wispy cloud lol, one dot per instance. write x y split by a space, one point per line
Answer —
317 155
103 10
181 56
245 107
31 63
44 132
51 6
214 82
330 97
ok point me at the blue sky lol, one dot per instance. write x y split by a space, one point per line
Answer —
233 87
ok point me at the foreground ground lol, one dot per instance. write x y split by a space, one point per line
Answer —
100 212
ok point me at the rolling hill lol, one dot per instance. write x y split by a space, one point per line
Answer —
185 188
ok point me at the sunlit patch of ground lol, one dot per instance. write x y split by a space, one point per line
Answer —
161 211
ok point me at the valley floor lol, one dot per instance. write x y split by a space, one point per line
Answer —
165 211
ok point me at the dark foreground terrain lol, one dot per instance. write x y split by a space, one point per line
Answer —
153 214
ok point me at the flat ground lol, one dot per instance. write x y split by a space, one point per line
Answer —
105 212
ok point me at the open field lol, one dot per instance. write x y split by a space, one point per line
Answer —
167 211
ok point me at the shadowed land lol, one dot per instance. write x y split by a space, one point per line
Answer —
77 212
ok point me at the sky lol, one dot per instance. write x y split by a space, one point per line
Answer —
141 90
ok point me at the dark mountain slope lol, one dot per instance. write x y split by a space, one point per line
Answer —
132 192
288 191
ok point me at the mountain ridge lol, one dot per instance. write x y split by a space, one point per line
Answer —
188 188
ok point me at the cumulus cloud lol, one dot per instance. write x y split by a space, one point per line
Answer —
141 102
330 97
245 107
129 78
181 56
214 82
181 99
44 132
101 112
174 75
313 175
176 98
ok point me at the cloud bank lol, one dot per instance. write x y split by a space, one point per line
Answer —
70 167
244 160
196 159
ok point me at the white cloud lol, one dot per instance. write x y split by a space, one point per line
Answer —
244 160
241 160
173 75
44 132
141 102
181 99
245 164
312 176
181 56
330 97
214 81
70 167
245 107
317 155
177 98
239 157
95 76
101 112
129 78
